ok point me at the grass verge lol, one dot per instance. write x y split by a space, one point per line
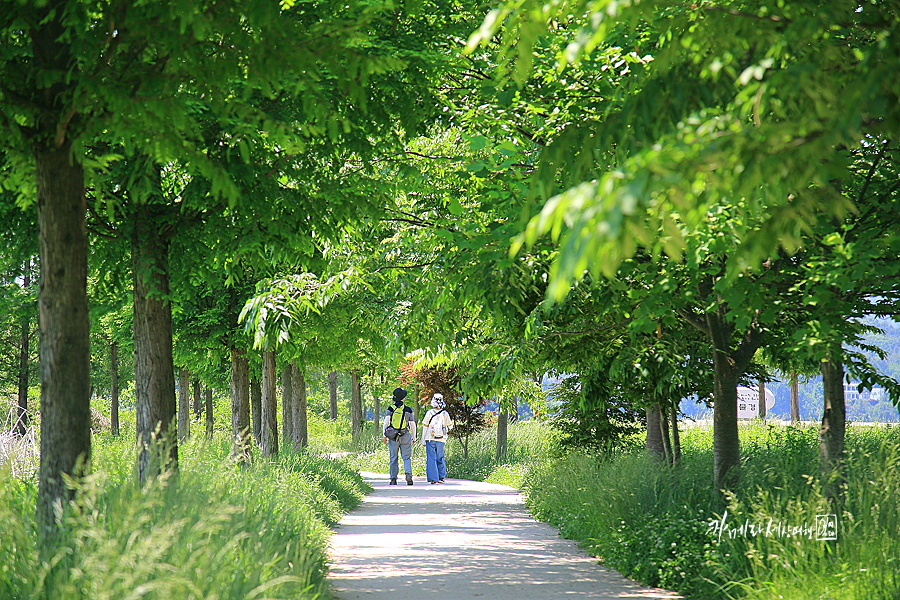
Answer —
217 531
658 524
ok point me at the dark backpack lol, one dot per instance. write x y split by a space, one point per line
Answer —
398 424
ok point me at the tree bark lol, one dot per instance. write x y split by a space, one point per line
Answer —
332 394
63 307
795 399
287 406
676 437
726 443
256 409
269 432
355 406
240 405
209 412
833 427
184 404
154 371
762 400
502 440
198 399
654 441
376 430
664 434
114 387
21 425
301 433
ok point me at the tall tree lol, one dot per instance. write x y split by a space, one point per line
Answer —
299 406
356 406
184 404
208 406
21 424
256 408
332 395
240 405
287 406
197 399
269 414
114 387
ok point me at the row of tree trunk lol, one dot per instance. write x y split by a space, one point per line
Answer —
257 398
832 430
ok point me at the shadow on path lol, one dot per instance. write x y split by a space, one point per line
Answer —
463 539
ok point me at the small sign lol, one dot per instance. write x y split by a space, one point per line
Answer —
748 402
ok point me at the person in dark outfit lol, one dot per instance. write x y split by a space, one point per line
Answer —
403 444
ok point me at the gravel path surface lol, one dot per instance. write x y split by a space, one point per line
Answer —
462 539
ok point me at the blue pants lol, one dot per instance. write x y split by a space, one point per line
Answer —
404 445
434 460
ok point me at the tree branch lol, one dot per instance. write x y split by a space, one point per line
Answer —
871 173
621 323
427 264
695 321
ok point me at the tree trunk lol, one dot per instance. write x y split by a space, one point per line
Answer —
287 406
513 414
762 400
301 435
654 441
209 412
198 399
332 394
664 434
269 432
256 409
154 371
833 428
21 425
502 442
114 386
355 406
240 405
795 399
63 307
676 437
184 405
726 444
376 430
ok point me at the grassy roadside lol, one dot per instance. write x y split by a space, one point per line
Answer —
219 532
655 524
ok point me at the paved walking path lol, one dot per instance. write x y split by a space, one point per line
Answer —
462 539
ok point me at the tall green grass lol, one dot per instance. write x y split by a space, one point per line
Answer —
653 523
216 531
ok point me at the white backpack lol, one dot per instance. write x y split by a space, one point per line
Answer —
436 426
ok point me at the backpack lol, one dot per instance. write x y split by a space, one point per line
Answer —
398 425
436 425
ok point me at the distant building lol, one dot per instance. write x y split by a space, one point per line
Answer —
852 393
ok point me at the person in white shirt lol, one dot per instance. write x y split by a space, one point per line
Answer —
436 425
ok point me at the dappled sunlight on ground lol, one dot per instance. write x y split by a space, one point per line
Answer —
463 539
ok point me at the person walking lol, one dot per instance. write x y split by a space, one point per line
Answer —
435 427
399 429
